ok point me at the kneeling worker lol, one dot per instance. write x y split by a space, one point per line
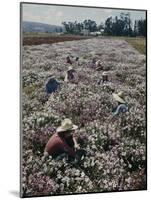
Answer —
70 77
121 106
52 85
64 141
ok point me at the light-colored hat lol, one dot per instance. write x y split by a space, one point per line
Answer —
70 68
119 97
98 61
51 76
104 74
66 125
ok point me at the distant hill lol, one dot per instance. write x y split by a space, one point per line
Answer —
40 27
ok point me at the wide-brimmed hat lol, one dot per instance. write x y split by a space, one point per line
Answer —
51 76
105 74
70 68
98 61
119 97
66 125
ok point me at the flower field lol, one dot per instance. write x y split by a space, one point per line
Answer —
115 157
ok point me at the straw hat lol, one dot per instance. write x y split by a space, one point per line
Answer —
51 76
104 74
98 61
70 68
119 97
66 125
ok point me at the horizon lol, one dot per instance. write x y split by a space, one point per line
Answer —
41 13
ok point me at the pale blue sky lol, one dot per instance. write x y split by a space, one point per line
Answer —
54 15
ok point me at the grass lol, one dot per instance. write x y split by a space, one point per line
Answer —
28 90
138 43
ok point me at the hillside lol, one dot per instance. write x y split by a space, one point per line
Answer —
40 27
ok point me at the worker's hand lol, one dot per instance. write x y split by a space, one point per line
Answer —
45 156
77 146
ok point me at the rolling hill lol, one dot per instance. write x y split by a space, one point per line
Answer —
40 27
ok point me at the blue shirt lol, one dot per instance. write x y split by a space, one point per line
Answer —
122 108
52 85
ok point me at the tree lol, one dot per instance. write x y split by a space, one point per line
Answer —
142 27
135 33
118 26
76 28
90 25
108 26
66 26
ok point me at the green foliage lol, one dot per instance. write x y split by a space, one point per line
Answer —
28 90
119 26
76 27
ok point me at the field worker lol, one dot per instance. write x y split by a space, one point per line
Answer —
63 142
121 106
69 77
93 62
77 61
68 60
98 65
105 77
52 85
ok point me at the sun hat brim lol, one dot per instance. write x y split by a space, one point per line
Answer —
104 74
62 129
117 98
73 70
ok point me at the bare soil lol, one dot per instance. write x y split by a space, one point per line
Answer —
34 40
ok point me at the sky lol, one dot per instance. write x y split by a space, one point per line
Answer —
55 15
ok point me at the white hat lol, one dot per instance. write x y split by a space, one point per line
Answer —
104 74
51 75
70 68
98 61
119 97
66 125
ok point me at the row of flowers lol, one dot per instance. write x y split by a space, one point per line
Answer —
115 156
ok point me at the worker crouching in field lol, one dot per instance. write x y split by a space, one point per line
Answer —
121 106
68 60
64 142
70 77
77 61
92 64
52 84
105 78
99 65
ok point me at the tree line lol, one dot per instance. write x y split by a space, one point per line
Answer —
76 27
113 26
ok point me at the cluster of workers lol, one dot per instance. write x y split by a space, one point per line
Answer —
52 84
65 141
